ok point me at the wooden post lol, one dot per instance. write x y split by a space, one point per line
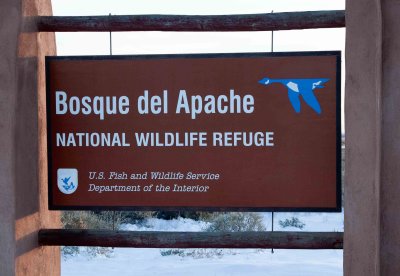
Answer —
107 238
372 190
192 23
23 180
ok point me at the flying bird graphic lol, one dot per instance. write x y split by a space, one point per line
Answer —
66 185
297 87
66 180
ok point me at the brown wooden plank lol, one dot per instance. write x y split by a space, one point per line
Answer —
106 238
193 23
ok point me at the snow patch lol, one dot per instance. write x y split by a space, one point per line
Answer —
146 262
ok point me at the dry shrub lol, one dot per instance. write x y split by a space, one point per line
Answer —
89 220
236 222
221 222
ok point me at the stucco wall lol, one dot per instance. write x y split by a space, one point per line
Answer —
372 191
23 174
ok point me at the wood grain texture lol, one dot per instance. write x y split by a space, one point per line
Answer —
193 23
106 238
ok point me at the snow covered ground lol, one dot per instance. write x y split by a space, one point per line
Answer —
144 262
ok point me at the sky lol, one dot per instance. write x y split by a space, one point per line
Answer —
131 43
187 42
104 7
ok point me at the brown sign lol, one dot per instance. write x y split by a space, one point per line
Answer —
206 132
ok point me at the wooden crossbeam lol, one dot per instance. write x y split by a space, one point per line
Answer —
107 238
192 23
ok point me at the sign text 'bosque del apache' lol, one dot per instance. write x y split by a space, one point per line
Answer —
207 132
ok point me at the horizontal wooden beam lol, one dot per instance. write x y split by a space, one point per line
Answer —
106 238
192 23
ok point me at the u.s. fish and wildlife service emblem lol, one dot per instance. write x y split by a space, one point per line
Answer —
67 180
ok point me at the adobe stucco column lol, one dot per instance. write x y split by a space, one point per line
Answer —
372 191
9 25
23 180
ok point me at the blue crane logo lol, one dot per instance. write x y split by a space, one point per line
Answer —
300 87
66 185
